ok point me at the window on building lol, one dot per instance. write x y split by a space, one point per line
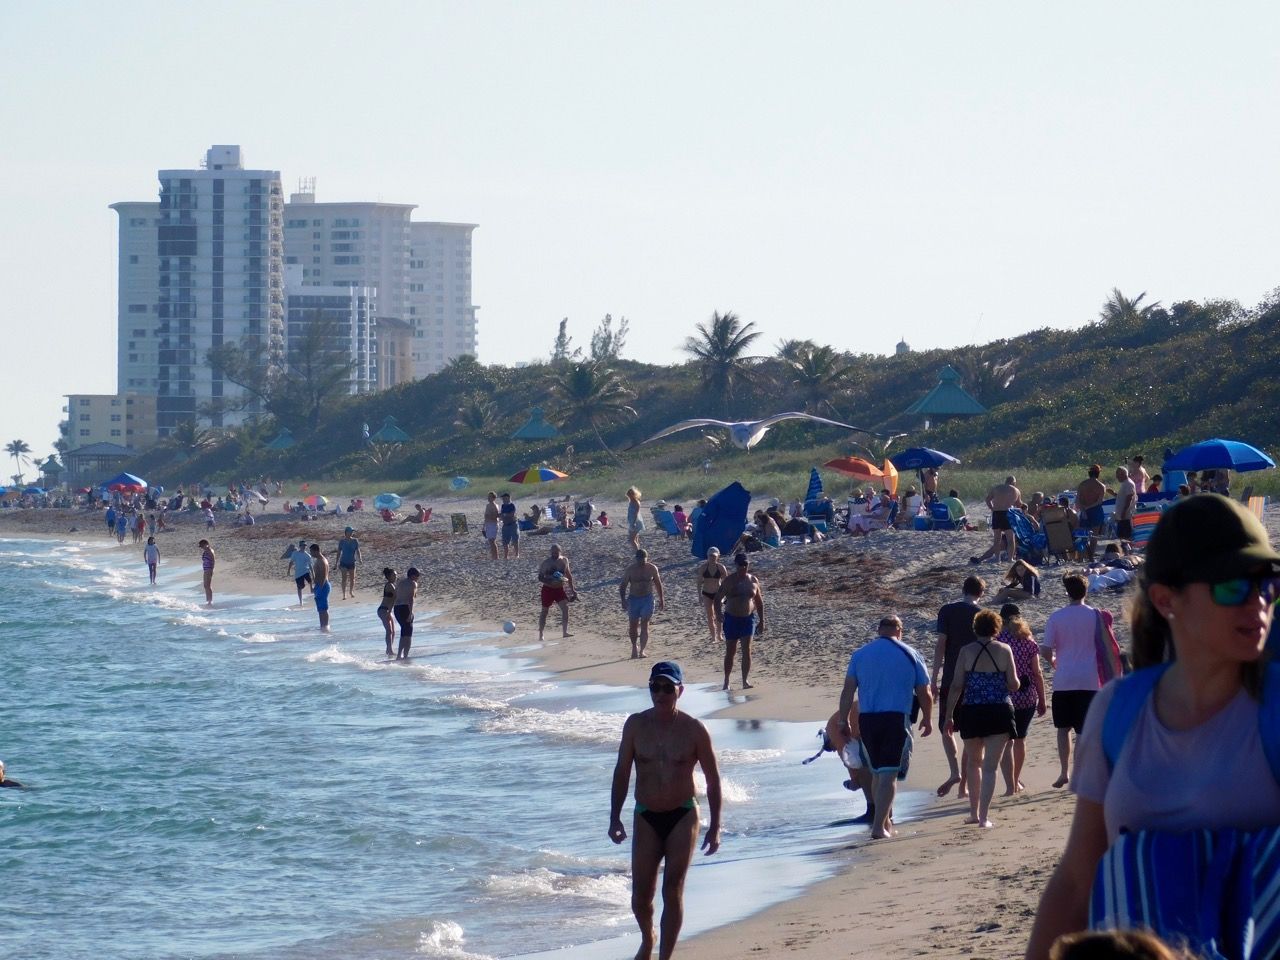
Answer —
84 417
115 433
115 418
133 258
84 402
84 433
139 333
137 221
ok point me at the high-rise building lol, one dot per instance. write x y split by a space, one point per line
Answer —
216 245
336 322
421 272
440 307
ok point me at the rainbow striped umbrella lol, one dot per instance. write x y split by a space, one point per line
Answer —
538 475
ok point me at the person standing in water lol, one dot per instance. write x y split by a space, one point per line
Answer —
151 554
207 560
322 586
384 608
664 745
402 610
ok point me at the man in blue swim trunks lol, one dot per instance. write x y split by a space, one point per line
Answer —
322 586
639 583
742 599
664 745
1089 496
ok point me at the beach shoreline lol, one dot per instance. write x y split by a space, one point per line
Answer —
823 601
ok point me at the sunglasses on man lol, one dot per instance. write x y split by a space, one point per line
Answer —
660 687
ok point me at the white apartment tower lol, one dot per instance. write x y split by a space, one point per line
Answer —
420 272
212 259
440 307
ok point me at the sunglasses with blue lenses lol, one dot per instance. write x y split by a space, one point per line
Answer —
1236 592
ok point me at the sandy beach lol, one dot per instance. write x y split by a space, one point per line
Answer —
891 899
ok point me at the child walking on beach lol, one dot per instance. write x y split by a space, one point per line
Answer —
151 554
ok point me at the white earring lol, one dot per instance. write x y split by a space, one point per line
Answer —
1170 616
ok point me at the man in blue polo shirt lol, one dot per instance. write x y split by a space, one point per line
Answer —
883 675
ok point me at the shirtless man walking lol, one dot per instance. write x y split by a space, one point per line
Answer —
1001 498
554 575
663 744
1089 496
402 610
742 598
639 582
321 585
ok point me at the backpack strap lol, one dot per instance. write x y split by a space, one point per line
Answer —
1130 697
1269 717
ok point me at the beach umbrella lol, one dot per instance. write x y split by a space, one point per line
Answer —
537 475
890 477
386 501
855 467
317 501
1219 454
125 481
83 490
33 492
921 458
722 520
815 486
459 483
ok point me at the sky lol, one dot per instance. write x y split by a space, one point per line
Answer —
853 173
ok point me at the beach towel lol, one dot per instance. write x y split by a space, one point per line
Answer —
815 486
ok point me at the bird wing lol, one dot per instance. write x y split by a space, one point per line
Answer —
777 417
677 427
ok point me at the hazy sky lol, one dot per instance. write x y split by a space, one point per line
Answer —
852 172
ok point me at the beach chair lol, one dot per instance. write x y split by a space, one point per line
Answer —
940 518
1060 542
582 511
1031 544
666 520
1257 506
1144 524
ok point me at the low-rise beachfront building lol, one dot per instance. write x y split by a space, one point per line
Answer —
93 463
124 419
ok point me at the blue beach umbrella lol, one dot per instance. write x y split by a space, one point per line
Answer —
459 483
1219 454
921 458
125 480
34 492
386 501
815 486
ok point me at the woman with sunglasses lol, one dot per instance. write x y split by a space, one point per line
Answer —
1194 756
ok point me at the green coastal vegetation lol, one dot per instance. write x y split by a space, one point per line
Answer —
1137 379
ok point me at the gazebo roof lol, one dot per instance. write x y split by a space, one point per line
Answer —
283 441
536 429
390 433
948 398
101 450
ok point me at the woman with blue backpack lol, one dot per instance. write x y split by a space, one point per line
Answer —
1177 775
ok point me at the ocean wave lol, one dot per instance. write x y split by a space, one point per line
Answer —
614 888
445 939
576 726
745 757
258 637
467 702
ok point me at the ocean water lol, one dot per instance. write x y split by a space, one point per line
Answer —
232 783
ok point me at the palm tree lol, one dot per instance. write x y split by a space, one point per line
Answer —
819 375
1121 310
720 349
476 414
588 391
789 350
986 380
18 449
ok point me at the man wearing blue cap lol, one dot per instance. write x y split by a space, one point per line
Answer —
664 744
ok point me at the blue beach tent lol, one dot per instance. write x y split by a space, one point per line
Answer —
722 520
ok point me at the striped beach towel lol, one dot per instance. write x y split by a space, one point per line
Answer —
1217 889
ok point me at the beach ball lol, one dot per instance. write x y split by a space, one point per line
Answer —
509 627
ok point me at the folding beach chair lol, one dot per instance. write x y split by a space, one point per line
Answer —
940 517
1031 544
1257 506
1060 542
1144 524
667 521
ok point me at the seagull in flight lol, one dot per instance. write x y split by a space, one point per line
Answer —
745 434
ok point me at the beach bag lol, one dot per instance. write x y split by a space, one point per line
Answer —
1217 889
1106 649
